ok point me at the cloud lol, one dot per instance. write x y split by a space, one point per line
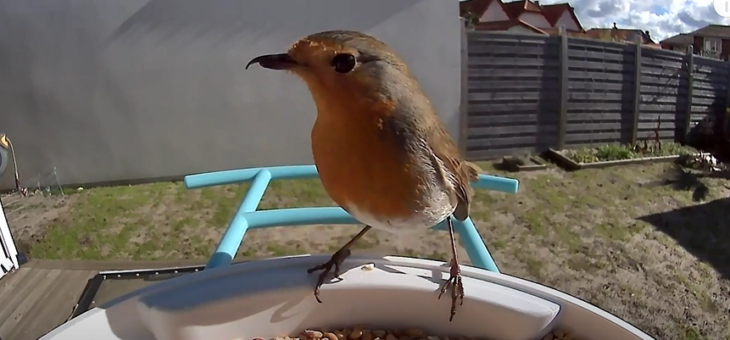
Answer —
662 18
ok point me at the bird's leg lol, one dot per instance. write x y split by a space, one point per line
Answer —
335 261
454 281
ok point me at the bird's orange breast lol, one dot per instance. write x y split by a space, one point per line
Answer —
359 165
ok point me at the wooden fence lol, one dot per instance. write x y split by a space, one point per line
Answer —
527 93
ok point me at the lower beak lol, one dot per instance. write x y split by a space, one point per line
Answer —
274 61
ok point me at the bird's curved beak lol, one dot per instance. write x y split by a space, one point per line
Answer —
274 61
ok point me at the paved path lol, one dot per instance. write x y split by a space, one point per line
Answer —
42 294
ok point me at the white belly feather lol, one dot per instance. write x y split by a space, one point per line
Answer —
419 221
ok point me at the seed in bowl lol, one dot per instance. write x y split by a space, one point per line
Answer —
363 333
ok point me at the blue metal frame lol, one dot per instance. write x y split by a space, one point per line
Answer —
247 217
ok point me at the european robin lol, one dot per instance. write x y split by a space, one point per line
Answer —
381 151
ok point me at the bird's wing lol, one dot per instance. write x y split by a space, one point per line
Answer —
458 171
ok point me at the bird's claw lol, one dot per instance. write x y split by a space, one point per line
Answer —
457 288
334 261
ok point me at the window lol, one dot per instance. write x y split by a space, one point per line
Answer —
713 45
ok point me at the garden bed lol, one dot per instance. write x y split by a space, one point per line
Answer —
522 163
614 154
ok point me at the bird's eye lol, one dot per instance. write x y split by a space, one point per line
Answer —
343 62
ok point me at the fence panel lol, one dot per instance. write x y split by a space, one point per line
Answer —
513 94
600 92
664 93
709 90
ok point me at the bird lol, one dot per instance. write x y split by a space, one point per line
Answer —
381 150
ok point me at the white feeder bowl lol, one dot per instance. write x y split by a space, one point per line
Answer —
274 297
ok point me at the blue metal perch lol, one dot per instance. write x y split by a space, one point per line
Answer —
248 218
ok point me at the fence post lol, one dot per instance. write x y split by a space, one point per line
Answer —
563 121
464 104
690 85
637 90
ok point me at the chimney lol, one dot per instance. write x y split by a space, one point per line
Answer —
537 3
614 26
647 34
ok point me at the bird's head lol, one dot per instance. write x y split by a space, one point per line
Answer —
345 67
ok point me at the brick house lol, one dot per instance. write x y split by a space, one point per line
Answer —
711 41
523 16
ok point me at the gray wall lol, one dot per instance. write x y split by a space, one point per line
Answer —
132 89
521 87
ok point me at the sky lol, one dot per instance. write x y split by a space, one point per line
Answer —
662 18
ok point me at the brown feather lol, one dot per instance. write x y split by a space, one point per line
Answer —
443 147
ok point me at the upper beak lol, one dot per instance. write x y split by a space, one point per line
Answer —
273 61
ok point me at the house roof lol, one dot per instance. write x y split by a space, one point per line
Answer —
519 6
553 13
514 9
679 39
619 33
531 6
556 31
715 31
506 24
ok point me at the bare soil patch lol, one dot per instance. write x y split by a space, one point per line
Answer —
646 243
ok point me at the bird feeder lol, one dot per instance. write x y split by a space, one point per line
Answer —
273 298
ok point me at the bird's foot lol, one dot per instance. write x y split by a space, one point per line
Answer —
334 263
457 287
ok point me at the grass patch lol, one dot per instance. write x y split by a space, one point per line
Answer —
162 221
